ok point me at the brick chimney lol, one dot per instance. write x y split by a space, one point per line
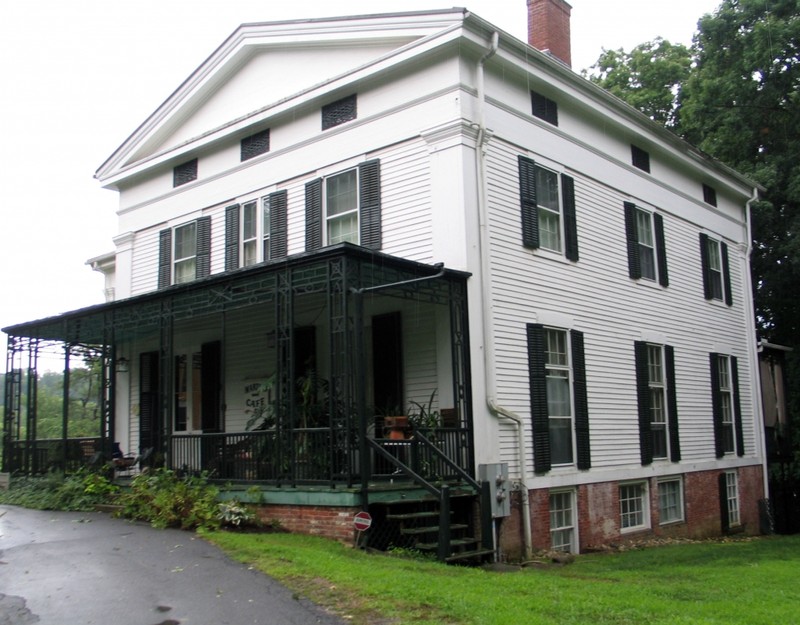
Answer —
548 28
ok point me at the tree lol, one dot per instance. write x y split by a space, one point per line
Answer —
648 77
741 104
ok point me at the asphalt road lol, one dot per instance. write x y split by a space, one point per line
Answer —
80 568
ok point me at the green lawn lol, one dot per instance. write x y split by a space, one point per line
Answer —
747 582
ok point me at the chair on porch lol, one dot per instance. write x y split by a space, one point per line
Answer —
126 465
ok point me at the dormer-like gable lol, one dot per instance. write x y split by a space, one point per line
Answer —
265 68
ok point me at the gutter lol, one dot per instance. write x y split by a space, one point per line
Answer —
753 347
485 272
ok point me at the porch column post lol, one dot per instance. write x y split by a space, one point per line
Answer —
361 396
30 457
65 408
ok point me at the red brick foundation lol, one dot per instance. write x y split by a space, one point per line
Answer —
599 515
327 521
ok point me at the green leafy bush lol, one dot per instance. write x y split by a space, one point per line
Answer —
235 514
55 491
164 499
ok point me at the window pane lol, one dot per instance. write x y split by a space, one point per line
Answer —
670 503
549 209
558 404
631 505
549 230
186 241
265 227
343 229
561 441
732 488
556 348
547 189
654 366
185 271
562 522
341 195
249 226
250 252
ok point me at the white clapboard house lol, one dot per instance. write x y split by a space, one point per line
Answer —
409 264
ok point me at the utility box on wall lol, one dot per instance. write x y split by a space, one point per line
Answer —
497 477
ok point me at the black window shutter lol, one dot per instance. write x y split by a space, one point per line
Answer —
632 238
643 397
726 273
570 218
537 379
723 503
716 406
314 215
211 386
581 401
527 197
232 237
278 225
706 266
203 247
148 400
737 407
164 258
661 249
369 187
672 405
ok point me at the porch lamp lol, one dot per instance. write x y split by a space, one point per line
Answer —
122 365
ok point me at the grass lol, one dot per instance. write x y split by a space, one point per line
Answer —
746 582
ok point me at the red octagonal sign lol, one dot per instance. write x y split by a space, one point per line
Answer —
362 521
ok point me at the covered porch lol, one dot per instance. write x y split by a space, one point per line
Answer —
337 369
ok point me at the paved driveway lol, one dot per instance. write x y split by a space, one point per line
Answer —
76 568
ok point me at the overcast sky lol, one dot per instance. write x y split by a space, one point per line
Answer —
80 75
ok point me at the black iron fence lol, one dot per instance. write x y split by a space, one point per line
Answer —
51 454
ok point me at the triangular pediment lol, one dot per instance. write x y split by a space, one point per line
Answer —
261 66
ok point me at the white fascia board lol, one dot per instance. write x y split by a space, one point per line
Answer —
431 28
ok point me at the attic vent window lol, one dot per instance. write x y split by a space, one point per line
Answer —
185 172
255 144
640 158
339 112
544 108
709 195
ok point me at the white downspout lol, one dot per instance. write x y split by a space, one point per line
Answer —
752 347
487 299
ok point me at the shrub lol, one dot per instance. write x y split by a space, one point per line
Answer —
164 499
235 514
82 490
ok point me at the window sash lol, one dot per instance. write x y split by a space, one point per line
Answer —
726 404
559 397
562 521
185 253
670 501
549 209
715 269
632 506
341 207
265 228
646 242
732 495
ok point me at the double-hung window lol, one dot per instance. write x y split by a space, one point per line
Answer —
647 254
657 402
184 252
185 263
559 406
345 207
341 207
634 511
726 405
547 202
729 500
562 521
255 231
716 269
670 500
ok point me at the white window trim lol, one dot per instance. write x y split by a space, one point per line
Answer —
649 213
727 391
259 200
717 242
662 385
645 500
681 499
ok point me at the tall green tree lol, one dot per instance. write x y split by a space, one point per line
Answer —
741 104
648 77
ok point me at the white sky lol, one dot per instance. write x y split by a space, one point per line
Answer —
80 75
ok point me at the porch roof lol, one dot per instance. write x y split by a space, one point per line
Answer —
115 321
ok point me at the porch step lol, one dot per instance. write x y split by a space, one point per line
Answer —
430 529
468 555
413 516
454 543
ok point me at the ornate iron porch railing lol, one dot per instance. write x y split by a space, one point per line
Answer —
43 455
